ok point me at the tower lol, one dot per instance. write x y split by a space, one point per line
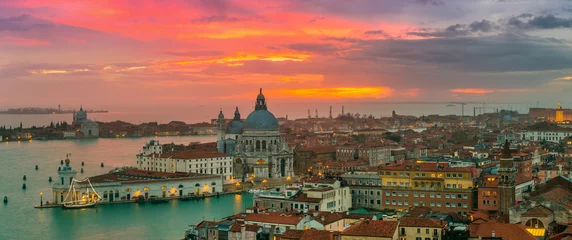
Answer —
221 133
65 178
316 113
343 110
309 116
330 112
506 180
559 113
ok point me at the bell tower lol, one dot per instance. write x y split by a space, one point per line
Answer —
221 131
506 180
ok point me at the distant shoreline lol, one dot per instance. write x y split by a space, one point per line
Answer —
46 112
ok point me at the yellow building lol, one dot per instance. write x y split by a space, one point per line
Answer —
434 185
412 228
559 113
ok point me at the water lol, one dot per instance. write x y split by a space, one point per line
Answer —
202 113
19 220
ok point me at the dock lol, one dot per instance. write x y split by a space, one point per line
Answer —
51 205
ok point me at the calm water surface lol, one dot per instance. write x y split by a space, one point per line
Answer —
19 220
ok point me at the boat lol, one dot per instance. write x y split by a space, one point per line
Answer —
79 199
158 200
186 199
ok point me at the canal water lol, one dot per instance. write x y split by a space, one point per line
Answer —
19 220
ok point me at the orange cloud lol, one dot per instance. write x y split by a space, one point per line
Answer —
480 91
567 78
18 41
335 93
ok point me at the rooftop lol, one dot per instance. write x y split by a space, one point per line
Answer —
421 222
372 228
505 230
135 175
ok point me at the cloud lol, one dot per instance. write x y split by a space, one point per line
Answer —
480 91
457 30
214 19
377 33
500 53
336 92
318 48
430 2
528 21
566 78
23 22
316 19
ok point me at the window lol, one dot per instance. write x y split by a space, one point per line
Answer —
438 204
495 202
432 204
465 205
406 203
438 195
460 175
454 175
399 194
415 203
432 195
378 193
419 230
393 202
447 196
422 194
448 185
378 202
448 175
447 205
453 196
459 196
399 202
406 194
435 232
386 202
465 196
459 205
427 231
393 194
387 194
454 185
415 194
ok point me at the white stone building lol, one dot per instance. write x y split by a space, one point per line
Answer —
128 184
186 161
548 133
84 127
259 150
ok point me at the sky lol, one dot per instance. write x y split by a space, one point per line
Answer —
153 53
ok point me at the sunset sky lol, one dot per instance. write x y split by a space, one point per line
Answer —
161 52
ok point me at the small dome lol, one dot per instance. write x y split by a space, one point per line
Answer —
235 127
81 114
221 115
260 95
261 161
261 120
67 161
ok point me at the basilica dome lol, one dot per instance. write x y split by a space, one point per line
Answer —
261 118
81 115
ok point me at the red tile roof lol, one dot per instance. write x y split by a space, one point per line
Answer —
538 211
421 222
134 175
313 234
505 230
304 198
268 218
292 234
372 228
414 166
190 154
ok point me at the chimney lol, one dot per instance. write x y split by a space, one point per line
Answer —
323 219
493 234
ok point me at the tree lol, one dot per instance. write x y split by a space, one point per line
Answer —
20 126
51 124
57 125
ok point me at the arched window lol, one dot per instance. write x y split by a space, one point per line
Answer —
116 193
534 223
128 190
257 144
264 144
197 185
181 186
213 183
146 189
104 194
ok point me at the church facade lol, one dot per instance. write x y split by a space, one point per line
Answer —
83 127
259 151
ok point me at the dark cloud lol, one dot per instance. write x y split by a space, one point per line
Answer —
377 33
529 21
430 2
482 26
319 48
213 19
316 19
23 22
501 53
196 53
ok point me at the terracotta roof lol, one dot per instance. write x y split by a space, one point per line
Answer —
252 228
324 189
304 198
372 228
134 175
292 234
236 227
190 154
426 166
538 211
313 234
268 218
421 222
560 196
505 230
203 224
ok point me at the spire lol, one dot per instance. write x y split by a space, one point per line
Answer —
506 150
260 90
260 102
81 107
236 114
220 114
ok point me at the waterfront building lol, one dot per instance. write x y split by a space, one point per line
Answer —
507 181
201 161
258 149
365 188
304 158
413 228
546 132
128 184
434 185
310 234
316 194
84 127
557 114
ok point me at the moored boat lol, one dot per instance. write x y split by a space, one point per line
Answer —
79 199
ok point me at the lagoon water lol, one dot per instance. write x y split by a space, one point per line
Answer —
19 220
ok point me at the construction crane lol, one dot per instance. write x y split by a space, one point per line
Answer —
462 107
481 109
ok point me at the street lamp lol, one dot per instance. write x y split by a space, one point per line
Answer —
41 200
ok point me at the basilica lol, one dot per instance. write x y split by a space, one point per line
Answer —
258 150
84 127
